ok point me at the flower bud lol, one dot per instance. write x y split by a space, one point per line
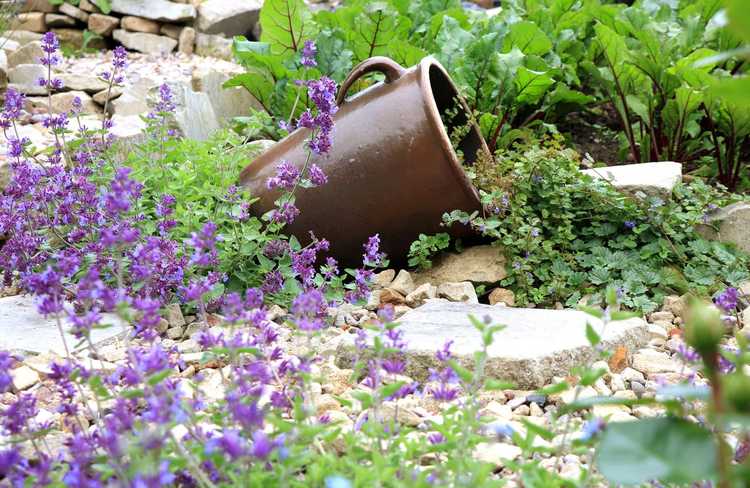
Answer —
704 329
737 392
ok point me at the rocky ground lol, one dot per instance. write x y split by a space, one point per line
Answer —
637 368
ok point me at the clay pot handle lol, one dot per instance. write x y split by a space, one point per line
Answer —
391 69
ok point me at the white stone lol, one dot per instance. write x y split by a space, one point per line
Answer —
458 292
213 46
24 329
420 294
31 53
228 17
25 78
649 361
145 43
194 115
616 383
630 374
75 12
657 332
24 377
226 102
534 346
575 394
653 179
162 10
87 83
497 453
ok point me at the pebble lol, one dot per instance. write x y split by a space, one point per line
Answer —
616 383
24 377
497 453
384 278
403 283
651 361
630 374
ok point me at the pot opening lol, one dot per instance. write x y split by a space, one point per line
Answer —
463 135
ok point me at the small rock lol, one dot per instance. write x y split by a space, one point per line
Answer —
87 6
87 83
403 415
522 410
161 10
384 278
24 377
574 394
103 25
145 43
630 374
403 283
186 42
75 12
497 409
57 20
502 295
626 395
638 388
391 296
420 294
174 315
325 403
676 304
175 333
139 24
458 292
63 102
643 411
667 316
657 332
649 361
571 471
171 30
496 453
540 400
25 77
651 179
616 383
600 385
30 21
400 310
213 46
31 53
730 224
101 97
535 410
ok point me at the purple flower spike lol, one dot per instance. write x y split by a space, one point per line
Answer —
308 54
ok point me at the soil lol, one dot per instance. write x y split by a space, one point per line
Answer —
594 132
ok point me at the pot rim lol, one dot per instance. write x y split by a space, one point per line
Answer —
437 124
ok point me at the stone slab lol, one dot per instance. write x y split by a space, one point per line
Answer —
161 10
535 345
23 329
653 179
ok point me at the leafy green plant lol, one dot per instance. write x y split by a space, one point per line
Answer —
569 236
426 246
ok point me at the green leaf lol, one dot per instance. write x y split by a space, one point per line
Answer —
592 336
364 398
388 390
527 37
670 450
104 5
491 384
531 85
285 25
463 373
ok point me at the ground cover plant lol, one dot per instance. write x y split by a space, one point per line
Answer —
88 233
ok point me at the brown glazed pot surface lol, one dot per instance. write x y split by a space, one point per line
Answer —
391 170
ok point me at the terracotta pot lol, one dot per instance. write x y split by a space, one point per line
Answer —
392 169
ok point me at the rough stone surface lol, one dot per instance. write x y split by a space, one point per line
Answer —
102 96
458 292
535 346
478 264
31 21
75 12
37 6
186 41
145 43
497 453
26 330
502 295
403 283
228 17
194 115
162 10
25 76
652 179
23 37
63 102
24 377
139 24
102 24
89 84
213 46
730 224
57 20
31 53
649 361
227 102
171 30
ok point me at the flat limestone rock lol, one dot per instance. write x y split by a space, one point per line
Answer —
161 10
535 346
653 179
22 328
